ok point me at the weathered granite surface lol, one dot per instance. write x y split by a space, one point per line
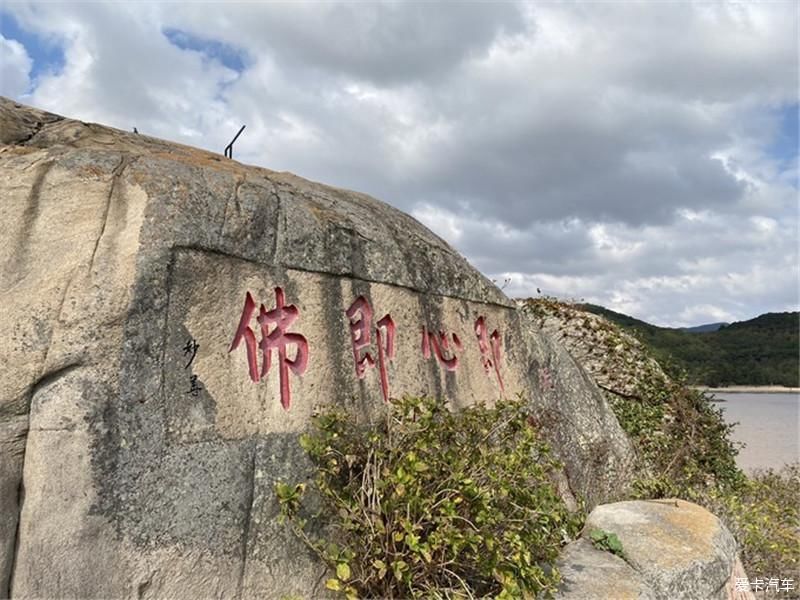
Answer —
616 360
139 452
577 420
591 574
672 549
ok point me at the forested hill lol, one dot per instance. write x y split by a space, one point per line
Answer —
761 351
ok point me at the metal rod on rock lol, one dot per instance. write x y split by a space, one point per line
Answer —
229 147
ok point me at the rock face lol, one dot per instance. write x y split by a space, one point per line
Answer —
615 359
672 549
591 574
171 320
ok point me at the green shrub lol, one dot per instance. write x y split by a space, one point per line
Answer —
436 504
688 452
687 449
764 516
682 441
684 447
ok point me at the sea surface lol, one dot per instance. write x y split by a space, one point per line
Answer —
769 425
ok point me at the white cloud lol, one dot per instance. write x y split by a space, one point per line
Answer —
15 68
617 152
706 313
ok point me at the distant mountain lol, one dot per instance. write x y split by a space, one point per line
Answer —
761 351
704 328
618 318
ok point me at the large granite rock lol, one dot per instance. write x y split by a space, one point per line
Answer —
671 549
616 360
148 402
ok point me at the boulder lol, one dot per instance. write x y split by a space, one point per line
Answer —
671 549
577 420
618 362
591 574
171 321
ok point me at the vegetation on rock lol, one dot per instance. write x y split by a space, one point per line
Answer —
604 540
439 504
435 503
681 440
684 446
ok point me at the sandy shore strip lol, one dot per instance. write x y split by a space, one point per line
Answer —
749 389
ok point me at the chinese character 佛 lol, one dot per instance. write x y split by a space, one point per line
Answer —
360 315
282 316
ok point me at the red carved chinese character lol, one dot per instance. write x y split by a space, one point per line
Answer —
385 350
244 331
277 339
490 349
440 343
360 315
359 334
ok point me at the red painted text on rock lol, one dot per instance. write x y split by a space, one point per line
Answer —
439 343
278 339
360 316
490 346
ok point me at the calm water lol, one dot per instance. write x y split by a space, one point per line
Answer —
768 423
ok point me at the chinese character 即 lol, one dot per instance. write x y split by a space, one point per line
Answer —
360 316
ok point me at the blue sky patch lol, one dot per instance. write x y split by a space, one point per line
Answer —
228 55
785 145
47 55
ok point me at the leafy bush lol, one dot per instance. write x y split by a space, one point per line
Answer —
436 504
681 438
687 449
764 516
683 444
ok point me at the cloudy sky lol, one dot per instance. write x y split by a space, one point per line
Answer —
643 156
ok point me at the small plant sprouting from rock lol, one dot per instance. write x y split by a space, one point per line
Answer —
603 540
435 504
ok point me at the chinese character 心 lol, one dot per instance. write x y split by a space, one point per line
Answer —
440 344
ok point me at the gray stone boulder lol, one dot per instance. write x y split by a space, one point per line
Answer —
171 321
591 574
671 549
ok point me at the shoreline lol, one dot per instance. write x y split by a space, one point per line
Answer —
748 389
